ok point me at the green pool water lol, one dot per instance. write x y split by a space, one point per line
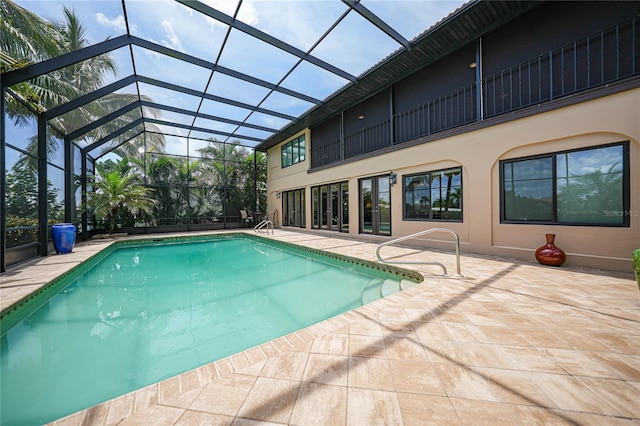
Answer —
147 312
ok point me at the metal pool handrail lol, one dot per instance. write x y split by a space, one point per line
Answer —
418 234
265 223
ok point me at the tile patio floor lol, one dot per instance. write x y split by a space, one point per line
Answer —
510 343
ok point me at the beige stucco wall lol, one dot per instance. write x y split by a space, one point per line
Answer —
608 119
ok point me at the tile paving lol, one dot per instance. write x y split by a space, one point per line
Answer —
509 343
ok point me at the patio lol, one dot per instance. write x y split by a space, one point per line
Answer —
510 343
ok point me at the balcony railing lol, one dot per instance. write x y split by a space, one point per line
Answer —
367 139
610 55
445 112
599 59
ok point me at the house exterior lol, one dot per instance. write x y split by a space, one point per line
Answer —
504 122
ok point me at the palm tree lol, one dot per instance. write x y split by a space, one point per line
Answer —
114 194
223 170
587 197
450 175
255 179
27 39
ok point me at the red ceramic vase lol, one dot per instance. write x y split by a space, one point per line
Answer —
549 254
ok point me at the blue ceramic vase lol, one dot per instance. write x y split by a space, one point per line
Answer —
64 237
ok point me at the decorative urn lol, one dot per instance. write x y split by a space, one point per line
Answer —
550 254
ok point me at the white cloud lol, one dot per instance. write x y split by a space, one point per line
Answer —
117 23
247 14
153 53
172 40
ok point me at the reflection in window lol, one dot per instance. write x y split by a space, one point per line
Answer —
21 199
330 207
435 195
21 128
55 147
293 152
55 195
583 187
528 188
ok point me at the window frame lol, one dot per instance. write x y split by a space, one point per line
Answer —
431 219
626 185
295 149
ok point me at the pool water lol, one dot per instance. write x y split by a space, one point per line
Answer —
148 312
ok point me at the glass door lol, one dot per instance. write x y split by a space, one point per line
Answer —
375 205
366 206
344 201
330 207
293 208
384 205
334 213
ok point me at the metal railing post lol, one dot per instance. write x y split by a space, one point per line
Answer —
418 234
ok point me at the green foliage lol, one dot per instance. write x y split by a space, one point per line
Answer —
21 230
114 194
635 256
27 39
22 195
188 190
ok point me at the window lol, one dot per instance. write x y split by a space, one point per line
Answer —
580 187
293 152
435 195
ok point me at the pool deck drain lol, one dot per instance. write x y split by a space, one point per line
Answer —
510 343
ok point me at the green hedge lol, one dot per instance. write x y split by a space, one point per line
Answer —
636 265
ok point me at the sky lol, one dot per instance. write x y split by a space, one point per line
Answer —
354 46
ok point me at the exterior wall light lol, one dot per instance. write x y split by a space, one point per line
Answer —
393 178
278 194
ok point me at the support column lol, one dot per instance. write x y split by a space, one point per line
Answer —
83 182
42 185
3 185
69 201
392 139
256 207
479 96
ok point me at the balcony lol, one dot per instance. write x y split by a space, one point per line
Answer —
595 61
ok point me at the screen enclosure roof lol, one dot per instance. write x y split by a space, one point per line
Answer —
245 72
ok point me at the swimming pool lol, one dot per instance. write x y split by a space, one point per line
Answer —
144 311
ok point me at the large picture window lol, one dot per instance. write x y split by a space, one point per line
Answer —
580 187
293 152
434 195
